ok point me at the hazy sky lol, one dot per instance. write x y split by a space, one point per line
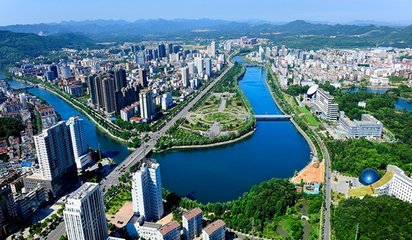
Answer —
46 11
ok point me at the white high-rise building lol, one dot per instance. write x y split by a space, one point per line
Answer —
54 151
199 64
326 106
147 191
212 49
191 66
80 150
147 105
185 77
84 214
208 66
167 101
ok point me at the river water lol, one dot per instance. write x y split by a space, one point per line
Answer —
94 137
224 173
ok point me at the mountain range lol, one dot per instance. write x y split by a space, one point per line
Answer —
17 41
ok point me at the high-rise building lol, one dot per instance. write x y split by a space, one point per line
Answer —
214 231
162 50
78 138
120 79
109 91
55 155
143 77
55 70
191 66
212 49
199 64
8 211
147 105
147 191
325 105
65 71
167 101
84 214
185 77
208 67
169 49
108 95
192 223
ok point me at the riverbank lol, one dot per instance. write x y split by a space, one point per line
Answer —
97 124
242 137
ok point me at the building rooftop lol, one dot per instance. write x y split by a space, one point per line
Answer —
211 228
165 229
151 225
83 190
123 216
192 213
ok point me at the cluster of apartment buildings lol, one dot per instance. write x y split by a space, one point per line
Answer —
338 66
153 71
84 214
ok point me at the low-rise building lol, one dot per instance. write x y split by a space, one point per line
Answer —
169 231
214 231
192 223
400 186
368 126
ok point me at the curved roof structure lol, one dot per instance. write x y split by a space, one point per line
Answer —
368 176
313 89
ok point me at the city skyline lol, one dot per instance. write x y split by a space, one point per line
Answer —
397 13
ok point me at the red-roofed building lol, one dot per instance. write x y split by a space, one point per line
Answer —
214 231
192 223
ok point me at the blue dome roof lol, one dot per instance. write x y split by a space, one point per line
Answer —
368 176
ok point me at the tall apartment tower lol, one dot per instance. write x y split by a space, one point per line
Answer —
199 64
109 101
143 78
78 138
192 224
212 49
120 80
208 67
55 155
147 105
84 214
147 191
185 77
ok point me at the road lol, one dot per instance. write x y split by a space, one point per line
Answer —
326 226
136 156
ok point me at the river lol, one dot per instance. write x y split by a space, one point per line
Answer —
94 137
224 173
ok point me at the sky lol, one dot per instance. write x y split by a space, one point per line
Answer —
333 11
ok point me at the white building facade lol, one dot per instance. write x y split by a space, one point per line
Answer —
84 214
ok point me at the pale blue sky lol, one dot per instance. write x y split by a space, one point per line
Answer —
343 11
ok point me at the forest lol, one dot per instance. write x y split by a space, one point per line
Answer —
373 218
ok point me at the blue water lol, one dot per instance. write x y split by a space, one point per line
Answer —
225 173
403 104
94 137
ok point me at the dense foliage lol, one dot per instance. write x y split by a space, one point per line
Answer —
352 156
15 46
10 127
257 210
295 90
373 218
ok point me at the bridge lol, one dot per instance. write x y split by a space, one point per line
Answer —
272 117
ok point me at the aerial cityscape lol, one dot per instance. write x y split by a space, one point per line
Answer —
169 120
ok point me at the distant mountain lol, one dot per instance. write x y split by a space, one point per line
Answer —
294 34
15 46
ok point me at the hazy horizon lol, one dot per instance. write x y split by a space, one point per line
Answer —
280 11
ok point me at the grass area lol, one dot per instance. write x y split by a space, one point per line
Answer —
222 117
116 197
370 190
307 116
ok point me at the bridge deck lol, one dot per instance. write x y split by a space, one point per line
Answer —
272 117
